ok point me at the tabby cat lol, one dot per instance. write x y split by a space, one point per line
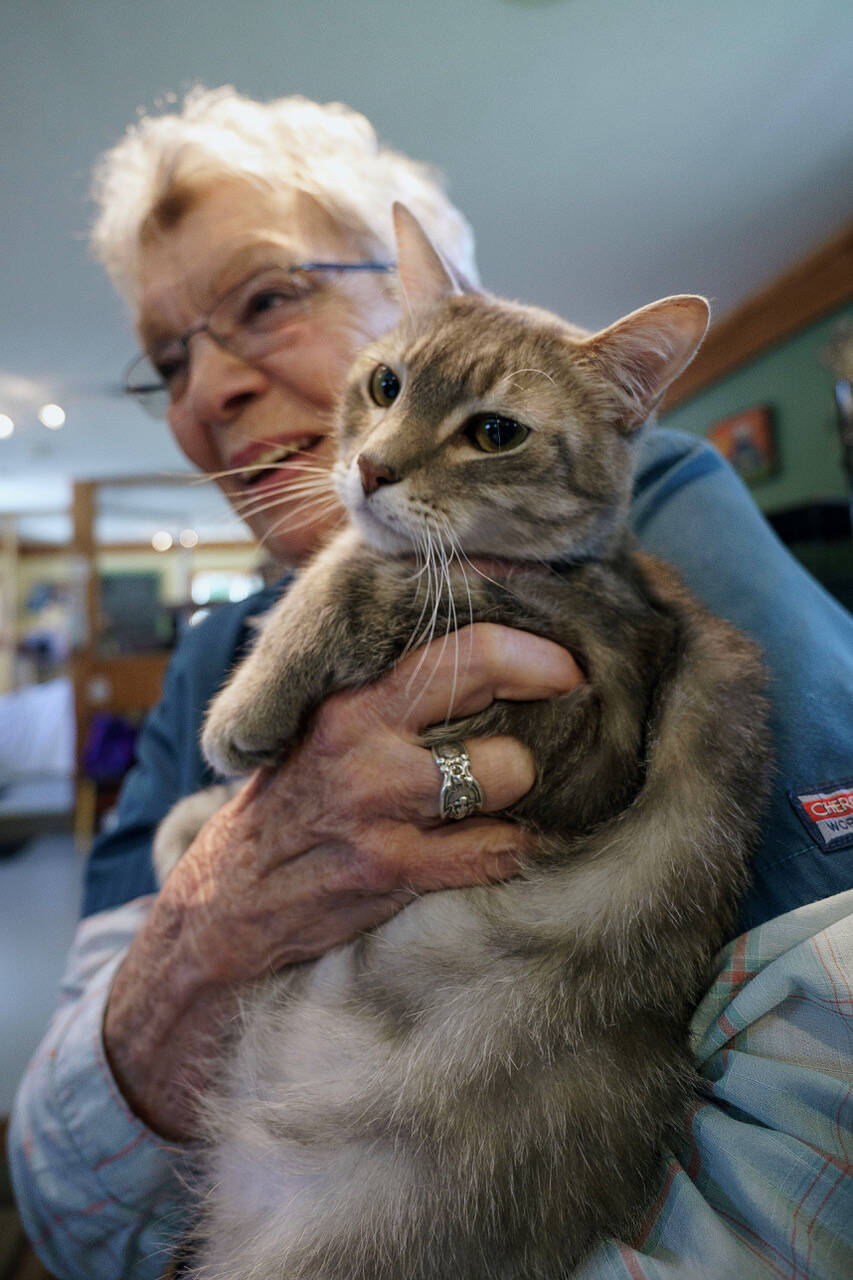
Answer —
483 1086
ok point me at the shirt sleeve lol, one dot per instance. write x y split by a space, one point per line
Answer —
762 1184
99 1193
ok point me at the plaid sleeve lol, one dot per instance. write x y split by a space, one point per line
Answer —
97 1191
762 1186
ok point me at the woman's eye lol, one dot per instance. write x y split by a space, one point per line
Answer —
170 367
267 302
384 386
494 433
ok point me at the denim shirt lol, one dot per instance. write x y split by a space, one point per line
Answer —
690 509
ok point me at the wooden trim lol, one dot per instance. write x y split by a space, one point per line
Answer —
45 549
127 684
83 548
815 286
132 480
63 548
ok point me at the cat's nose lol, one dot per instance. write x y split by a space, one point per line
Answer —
374 473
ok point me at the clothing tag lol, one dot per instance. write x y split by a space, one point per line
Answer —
827 814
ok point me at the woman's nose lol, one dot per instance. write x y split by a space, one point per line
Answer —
219 382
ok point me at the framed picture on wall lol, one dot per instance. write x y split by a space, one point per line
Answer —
748 441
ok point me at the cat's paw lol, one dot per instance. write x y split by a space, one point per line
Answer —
182 824
239 737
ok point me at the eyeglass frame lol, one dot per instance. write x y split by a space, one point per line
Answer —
203 326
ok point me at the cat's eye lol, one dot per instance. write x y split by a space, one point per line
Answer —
493 433
384 386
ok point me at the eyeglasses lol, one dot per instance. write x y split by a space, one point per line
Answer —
251 321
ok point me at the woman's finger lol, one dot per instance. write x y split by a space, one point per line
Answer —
393 861
468 671
503 767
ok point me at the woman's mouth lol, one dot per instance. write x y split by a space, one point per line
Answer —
272 463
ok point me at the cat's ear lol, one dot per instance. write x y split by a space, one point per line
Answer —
424 276
644 352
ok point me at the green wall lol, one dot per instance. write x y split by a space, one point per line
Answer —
792 379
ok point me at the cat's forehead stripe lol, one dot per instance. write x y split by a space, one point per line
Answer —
467 358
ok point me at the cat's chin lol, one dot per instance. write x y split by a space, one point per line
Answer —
378 535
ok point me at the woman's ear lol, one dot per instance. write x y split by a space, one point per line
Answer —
640 355
424 276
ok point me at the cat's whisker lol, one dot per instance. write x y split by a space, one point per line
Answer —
319 502
292 528
418 638
294 460
480 572
442 577
323 481
303 486
327 419
418 574
308 504
279 503
467 586
422 548
516 373
420 558
432 583
502 586
239 508
435 586
430 629
452 622
278 494
312 484
455 548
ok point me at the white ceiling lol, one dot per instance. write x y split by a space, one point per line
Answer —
607 152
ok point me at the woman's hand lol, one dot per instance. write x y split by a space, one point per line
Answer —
308 855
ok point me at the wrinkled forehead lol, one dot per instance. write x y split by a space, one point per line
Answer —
218 238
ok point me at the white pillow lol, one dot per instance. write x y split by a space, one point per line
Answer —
37 731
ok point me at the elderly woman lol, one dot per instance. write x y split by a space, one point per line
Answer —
253 243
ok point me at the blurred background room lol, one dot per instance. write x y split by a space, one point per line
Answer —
607 153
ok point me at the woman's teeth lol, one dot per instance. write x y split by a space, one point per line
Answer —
266 462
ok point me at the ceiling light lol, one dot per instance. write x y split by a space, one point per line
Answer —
52 415
188 538
161 541
7 426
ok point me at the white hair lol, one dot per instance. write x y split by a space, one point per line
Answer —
290 144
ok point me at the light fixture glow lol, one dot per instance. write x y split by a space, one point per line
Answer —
161 540
52 415
7 426
188 538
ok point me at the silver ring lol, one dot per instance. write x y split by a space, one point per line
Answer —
461 795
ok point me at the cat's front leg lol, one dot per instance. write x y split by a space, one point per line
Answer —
300 651
260 711
183 822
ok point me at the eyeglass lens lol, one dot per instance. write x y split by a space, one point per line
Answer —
251 320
